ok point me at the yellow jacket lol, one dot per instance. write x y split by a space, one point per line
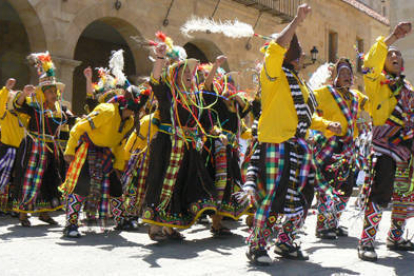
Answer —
278 122
12 132
331 111
139 143
102 127
382 103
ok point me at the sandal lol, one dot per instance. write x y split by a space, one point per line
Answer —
341 231
328 234
48 220
25 222
221 232
175 235
156 236
366 252
71 231
290 251
401 245
258 257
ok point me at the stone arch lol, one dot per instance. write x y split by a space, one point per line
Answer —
94 46
32 24
204 50
21 32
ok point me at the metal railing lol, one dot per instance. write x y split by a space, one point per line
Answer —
284 9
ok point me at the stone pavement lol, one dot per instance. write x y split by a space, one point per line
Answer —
41 250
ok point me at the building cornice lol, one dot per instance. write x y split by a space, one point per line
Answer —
368 11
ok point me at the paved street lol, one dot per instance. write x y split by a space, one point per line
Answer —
41 250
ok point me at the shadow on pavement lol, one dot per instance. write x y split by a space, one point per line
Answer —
105 241
182 250
292 268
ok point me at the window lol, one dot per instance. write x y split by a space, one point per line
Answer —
360 47
333 46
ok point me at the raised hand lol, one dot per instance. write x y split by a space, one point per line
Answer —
10 84
88 72
220 60
69 158
161 50
303 11
335 127
28 90
402 30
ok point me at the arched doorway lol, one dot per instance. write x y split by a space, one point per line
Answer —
94 47
204 50
14 46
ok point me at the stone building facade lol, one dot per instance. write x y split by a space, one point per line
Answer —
79 33
404 11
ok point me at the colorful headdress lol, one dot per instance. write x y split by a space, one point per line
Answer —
177 53
111 81
46 70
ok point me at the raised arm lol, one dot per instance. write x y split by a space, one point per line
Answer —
209 80
285 37
160 52
88 76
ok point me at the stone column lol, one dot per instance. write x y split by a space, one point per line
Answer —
65 68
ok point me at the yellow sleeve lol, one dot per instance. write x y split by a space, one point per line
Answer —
94 120
318 122
273 61
4 93
120 156
321 124
373 65
129 145
375 59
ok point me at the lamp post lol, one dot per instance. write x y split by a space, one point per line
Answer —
314 54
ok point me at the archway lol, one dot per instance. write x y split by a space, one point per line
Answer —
17 41
94 47
204 50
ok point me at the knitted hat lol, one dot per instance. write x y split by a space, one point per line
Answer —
340 64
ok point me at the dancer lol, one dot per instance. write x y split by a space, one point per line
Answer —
12 131
40 167
392 105
287 110
179 188
228 109
335 154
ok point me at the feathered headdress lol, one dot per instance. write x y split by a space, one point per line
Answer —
111 81
174 52
46 70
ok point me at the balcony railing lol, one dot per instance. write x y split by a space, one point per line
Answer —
284 9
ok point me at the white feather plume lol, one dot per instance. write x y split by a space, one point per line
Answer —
320 77
233 29
116 65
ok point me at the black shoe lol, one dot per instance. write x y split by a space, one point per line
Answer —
292 252
401 245
221 232
71 231
341 231
126 225
367 252
258 257
329 234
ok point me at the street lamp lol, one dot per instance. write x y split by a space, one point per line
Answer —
314 57
314 54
